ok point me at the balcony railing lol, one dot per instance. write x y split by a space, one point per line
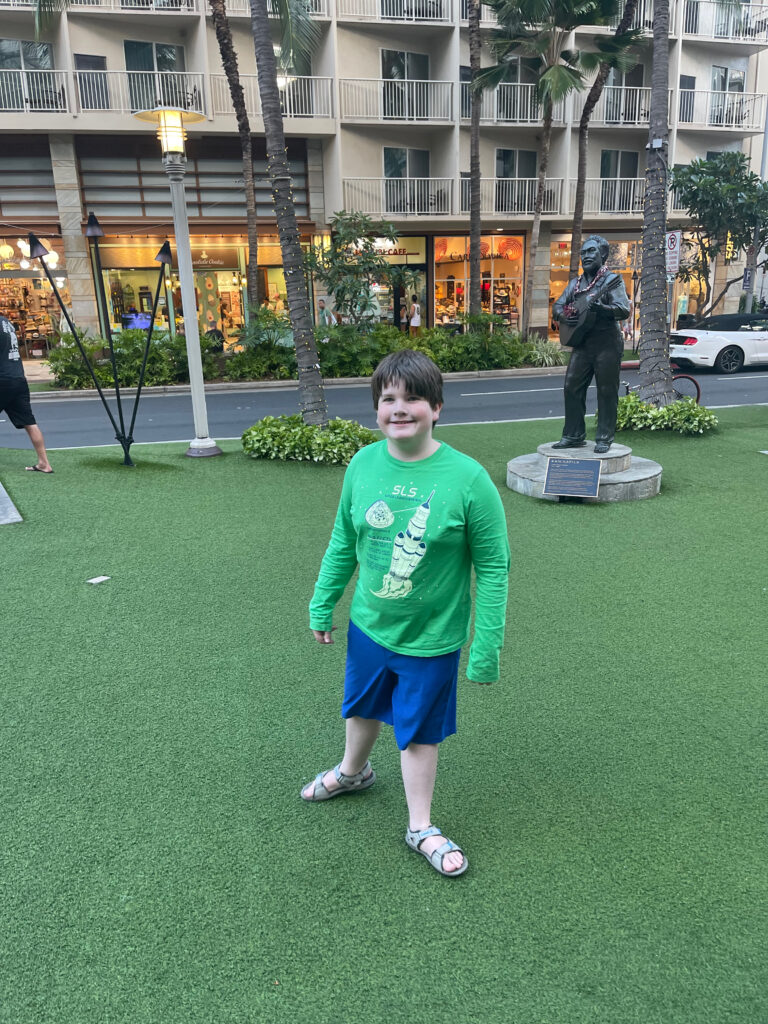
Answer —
513 195
163 6
10 4
621 105
440 11
710 19
376 99
643 18
302 96
399 197
242 8
33 91
699 108
611 195
129 91
487 14
509 103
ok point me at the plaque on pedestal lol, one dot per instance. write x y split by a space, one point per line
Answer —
572 478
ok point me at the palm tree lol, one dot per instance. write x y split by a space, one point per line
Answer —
229 64
476 97
615 52
539 30
296 35
655 372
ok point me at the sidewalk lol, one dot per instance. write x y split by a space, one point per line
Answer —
37 370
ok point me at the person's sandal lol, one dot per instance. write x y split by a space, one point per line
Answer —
347 783
415 839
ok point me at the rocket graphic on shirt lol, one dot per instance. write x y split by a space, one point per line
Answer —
407 552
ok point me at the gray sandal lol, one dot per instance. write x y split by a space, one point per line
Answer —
347 783
415 839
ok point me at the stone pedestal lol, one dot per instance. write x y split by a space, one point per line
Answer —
623 477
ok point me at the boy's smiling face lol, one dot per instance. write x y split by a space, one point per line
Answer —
406 420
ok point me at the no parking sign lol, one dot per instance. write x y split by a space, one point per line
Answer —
672 251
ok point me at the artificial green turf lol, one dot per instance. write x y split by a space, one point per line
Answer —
157 864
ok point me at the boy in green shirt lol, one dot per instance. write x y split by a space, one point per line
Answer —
415 516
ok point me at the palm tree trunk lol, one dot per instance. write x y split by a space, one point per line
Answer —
655 372
590 103
311 394
546 138
473 22
229 63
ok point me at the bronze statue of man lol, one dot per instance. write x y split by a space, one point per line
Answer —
588 313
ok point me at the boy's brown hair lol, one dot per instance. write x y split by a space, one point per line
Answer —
415 371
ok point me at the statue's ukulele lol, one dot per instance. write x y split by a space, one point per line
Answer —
574 334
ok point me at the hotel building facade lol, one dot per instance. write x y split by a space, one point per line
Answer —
378 122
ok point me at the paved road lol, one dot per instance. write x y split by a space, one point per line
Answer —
74 422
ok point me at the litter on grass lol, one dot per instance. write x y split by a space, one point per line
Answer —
99 579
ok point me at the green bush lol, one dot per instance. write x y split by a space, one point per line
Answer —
275 362
683 416
347 350
475 350
546 353
289 438
166 360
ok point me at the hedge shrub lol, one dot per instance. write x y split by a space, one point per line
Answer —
289 438
683 416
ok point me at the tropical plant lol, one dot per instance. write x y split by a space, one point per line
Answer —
352 265
616 52
229 64
299 35
728 206
540 30
653 349
683 416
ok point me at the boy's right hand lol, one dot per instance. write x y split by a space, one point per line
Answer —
324 636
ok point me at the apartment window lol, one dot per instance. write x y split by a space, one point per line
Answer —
687 97
405 88
516 183
92 82
623 96
155 76
408 187
620 189
27 79
726 104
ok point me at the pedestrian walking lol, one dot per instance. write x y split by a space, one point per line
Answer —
14 394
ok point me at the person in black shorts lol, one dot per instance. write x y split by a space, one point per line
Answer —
14 394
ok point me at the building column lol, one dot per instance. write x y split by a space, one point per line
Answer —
539 322
78 264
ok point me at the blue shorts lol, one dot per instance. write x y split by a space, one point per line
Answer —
417 696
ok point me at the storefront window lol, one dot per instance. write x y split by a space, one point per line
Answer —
501 269
26 297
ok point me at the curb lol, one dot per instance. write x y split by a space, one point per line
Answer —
279 385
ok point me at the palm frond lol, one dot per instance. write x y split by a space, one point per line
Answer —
299 34
45 12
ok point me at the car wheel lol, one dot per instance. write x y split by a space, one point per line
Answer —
730 360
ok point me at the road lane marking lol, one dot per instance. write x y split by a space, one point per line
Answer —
520 391
736 377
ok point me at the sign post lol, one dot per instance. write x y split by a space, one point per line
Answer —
672 251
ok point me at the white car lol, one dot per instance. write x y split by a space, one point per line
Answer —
726 342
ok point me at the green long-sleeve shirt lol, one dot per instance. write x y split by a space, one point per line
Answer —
416 529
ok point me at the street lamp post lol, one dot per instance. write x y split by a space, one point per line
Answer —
171 133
